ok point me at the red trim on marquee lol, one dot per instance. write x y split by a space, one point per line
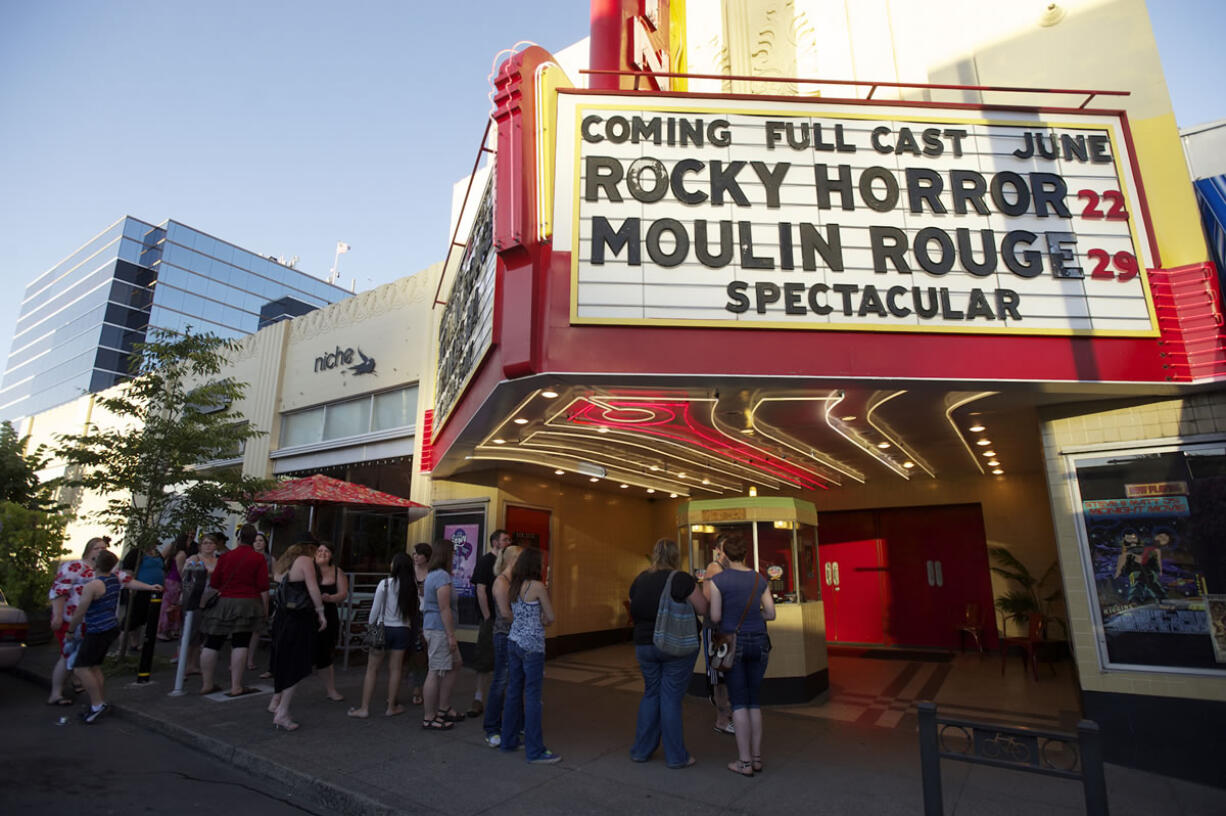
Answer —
533 334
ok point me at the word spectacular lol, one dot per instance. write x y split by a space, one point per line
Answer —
796 244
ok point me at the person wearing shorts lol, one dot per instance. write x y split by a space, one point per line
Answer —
99 602
443 654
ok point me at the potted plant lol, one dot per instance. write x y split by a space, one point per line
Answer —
1028 594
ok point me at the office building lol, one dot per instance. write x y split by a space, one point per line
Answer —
80 319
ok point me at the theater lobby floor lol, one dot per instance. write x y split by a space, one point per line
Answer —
881 687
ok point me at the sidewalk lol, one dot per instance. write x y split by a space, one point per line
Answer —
384 766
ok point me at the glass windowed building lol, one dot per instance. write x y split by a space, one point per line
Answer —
80 319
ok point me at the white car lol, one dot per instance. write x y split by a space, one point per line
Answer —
13 628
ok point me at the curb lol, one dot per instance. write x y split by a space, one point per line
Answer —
330 798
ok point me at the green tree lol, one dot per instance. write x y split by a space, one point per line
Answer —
171 419
19 482
31 544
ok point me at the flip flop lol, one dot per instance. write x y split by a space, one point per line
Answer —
209 690
62 701
246 690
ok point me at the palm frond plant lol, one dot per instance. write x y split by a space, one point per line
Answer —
1029 594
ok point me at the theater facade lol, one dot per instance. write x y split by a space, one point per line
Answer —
918 319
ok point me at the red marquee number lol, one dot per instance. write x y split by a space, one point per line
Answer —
1125 263
1113 197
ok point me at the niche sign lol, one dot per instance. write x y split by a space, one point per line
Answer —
351 360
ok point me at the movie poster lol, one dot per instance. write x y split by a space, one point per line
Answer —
1216 608
465 539
1152 524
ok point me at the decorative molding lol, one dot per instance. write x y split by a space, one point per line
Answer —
407 291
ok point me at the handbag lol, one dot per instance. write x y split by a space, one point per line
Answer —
376 633
676 631
724 657
292 598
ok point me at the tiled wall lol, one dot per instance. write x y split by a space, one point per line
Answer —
1126 424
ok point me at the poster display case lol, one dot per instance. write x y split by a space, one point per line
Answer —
783 539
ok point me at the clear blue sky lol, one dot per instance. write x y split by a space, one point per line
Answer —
287 126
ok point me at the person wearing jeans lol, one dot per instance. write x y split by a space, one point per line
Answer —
741 603
532 612
500 590
665 676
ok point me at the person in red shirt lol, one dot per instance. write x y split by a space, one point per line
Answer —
241 579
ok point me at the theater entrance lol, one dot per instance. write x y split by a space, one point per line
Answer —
907 576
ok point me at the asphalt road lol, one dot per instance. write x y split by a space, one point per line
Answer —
114 766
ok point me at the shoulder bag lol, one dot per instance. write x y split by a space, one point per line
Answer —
376 633
725 642
676 631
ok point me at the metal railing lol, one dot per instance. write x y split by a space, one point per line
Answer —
355 611
1052 753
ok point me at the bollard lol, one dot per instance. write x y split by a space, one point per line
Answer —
145 668
185 641
930 759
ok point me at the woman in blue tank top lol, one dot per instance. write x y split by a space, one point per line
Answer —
741 602
531 613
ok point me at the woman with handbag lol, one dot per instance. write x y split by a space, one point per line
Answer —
389 631
296 627
741 604
195 575
665 657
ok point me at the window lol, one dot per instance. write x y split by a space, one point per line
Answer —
386 411
1152 524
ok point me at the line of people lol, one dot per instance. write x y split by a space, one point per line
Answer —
736 601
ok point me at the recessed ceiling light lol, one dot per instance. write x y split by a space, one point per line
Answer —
849 418
989 453
594 479
998 472
549 394
520 421
883 445
500 441
623 485
977 428
655 467
994 463
706 481
560 472
747 431
672 495
983 441
602 429
651 490
908 465
681 475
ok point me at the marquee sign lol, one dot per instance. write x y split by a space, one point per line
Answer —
739 213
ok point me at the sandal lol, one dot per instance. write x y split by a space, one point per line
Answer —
450 715
475 710
437 724
60 701
742 768
242 692
210 690
757 764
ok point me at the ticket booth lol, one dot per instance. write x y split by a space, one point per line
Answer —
782 537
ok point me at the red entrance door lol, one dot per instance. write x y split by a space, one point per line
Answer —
529 527
904 576
852 572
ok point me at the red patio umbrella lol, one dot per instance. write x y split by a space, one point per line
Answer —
320 489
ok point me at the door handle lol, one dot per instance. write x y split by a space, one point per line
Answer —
828 574
836 574
931 573
940 575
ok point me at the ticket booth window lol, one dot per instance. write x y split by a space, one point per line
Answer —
1152 525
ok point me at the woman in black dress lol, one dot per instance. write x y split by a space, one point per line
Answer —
334 588
296 628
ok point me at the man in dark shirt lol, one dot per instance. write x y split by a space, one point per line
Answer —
483 580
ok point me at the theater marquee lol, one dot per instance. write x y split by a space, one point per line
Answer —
720 212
